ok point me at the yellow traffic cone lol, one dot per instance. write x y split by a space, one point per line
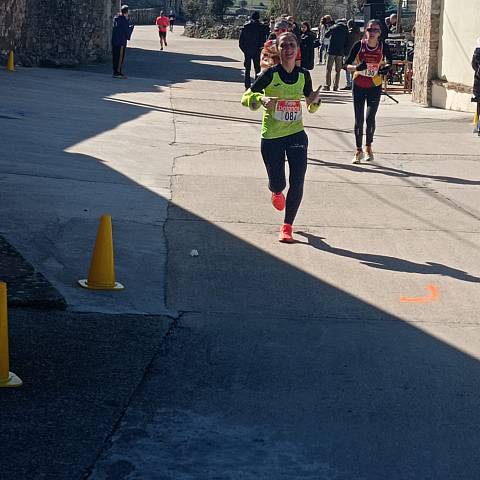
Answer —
7 378
10 63
102 269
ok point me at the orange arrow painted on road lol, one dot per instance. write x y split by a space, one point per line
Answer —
434 294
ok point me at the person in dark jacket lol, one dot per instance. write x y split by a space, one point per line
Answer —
476 83
121 33
338 35
171 19
251 43
307 46
266 29
293 27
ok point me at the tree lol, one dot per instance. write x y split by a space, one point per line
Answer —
217 8
361 4
193 9
292 7
350 9
388 4
313 10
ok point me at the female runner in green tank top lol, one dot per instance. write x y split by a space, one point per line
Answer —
280 90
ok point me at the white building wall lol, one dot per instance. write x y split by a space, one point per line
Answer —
459 29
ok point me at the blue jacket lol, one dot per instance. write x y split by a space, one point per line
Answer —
122 31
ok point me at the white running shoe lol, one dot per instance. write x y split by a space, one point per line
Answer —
359 156
369 157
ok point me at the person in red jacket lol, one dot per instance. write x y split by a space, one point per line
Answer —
269 54
163 23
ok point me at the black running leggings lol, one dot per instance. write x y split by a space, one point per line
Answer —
372 97
118 56
294 147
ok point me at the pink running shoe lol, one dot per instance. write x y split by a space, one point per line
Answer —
278 201
286 234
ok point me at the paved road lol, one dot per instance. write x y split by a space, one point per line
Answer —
305 361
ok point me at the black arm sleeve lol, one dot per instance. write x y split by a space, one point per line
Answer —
345 44
307 89
353 54
387 53
309 41
476 59
124 25
262 81
241 41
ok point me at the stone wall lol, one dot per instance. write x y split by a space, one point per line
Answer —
56 32
427 36
12 16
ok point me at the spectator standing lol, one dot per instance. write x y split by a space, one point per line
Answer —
162 23
293 27
266 29
171 19
121 34
476 83
325 23
389 26
307 46
354 36
272 23
392 28
250 43
338 35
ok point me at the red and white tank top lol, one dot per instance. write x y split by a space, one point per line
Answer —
373 58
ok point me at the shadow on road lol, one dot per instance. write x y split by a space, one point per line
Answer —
384 262
174 67
213 116
392 172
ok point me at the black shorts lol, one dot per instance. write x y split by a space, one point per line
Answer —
162 34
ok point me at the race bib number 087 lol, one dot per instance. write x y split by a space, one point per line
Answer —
288 110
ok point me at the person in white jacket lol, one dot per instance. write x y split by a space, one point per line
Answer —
325 23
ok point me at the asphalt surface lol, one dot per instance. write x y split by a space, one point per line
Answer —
352 354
